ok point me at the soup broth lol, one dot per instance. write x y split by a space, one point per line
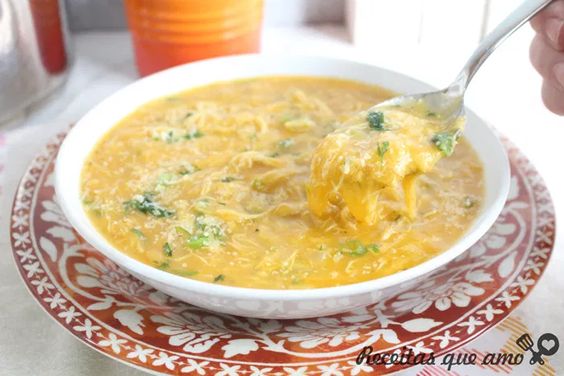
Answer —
211 184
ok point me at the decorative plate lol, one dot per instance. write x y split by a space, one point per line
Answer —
118 315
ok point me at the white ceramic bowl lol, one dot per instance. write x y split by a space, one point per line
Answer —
258 302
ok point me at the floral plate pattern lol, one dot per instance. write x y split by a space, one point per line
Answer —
118 315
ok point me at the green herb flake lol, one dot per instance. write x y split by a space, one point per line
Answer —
374 248
165 179
227 179
169 137
376 120
182 231
469 202
167 249
208 232
138 233
446 141
87 201
285 144
359 251
187 169
383 147
193 134
356 248
145 204
431 114
184 171
186 273
198 241
287 117
219 278
202 204
258 185
353 248
163 265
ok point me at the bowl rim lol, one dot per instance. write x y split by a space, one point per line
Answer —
77 216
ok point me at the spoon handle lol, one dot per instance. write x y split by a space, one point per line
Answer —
491 41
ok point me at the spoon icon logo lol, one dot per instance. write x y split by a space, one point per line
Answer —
547 345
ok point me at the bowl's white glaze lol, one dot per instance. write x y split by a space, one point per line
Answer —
257 302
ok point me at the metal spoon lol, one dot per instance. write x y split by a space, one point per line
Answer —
448 104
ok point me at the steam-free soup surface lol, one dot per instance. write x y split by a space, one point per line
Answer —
211 184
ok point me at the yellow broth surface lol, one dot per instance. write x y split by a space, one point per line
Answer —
211 184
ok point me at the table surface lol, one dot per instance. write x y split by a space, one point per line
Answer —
506 93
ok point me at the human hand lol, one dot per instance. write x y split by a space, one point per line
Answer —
547 54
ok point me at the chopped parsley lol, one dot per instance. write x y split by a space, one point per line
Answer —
201 204
469 202
285 144
296 281
138 233
219 278
227 179
375 248
187 169
193 134
208 231
287 117
258 185
198 241
383 147
186 273
165 179
164 265
169 137
356 248
446 141
181 230
145 204
209 226
87 201
174 135
376 120
167 249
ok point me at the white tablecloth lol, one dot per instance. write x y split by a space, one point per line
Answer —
506 93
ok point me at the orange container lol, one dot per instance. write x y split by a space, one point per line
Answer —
171 32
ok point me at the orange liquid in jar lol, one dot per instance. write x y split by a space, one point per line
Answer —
166 33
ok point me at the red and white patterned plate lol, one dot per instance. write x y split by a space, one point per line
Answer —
118 315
